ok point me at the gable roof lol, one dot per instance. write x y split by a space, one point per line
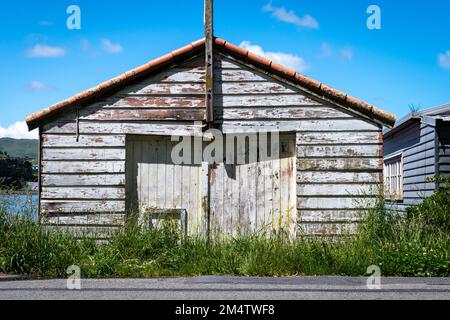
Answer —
440 112
192 49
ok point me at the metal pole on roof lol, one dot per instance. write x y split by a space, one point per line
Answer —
209 45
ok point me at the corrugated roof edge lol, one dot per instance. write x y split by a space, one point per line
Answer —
386 118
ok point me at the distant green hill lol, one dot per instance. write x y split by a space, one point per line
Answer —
20 148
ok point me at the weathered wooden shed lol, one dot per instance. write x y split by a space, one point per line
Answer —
415 149
108 148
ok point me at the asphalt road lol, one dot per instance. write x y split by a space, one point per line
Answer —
230 288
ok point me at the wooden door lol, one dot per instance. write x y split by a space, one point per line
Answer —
155 183
256 196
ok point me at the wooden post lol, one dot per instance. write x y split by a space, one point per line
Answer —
209 39
209 63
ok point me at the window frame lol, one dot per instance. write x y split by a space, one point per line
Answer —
393 177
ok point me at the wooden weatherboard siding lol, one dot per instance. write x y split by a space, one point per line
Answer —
339 154
84 177
96 160
417 144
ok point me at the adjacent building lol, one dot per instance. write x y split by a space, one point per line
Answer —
415 149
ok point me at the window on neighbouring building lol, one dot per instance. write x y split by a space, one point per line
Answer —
393 177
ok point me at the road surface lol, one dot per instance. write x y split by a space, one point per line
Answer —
230 288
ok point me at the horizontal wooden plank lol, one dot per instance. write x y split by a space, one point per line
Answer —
416 179
83 154
417 194
58 180
148 87
177 74
444 159
330 215
152 102
419 163
83 193
67 206
314 138
444 150
411 157
338 164
103 127
333 203
339 151
424 186
419 148
336 189
83 167
83 141
426 129
133 114
198 61
86 231
297 125
274 100
239 75
102 110
307 112
444 167
221 63
251 88
425 171
411 201
327 229
87 219
337 177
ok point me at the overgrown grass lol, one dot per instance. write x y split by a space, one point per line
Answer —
416 244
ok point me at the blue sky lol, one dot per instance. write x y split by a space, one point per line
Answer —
406 62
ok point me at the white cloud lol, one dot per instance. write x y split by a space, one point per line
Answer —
281 14
19 130
286 59
44 51
110 47
39 86
444 60
347 54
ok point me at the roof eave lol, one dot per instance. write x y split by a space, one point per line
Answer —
383 117
36 119
320 89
